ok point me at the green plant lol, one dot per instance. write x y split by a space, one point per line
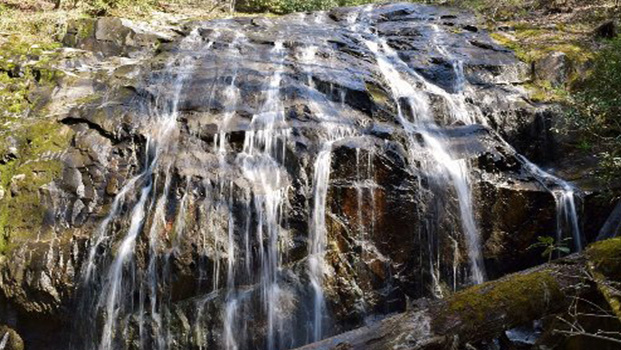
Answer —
594 111
551 246
585 145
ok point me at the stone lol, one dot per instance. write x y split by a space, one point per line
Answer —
554 68
606 30
10 339
113 37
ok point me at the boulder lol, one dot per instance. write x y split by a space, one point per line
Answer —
9 339
606 30
554 68
112 36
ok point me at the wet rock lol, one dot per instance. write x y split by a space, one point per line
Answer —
218 209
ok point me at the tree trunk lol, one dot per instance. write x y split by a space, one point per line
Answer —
477 313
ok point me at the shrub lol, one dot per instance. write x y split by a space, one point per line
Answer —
288 6
595 109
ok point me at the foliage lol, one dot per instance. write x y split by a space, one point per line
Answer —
595 110
551 246
288 6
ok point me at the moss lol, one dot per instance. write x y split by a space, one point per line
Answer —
24 70
85 28
605 262
605 257
378 95
511 43
21 210
89 99
522 295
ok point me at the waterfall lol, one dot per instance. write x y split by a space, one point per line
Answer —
456 99
260 162
159 221
4 341
612 226
120 278
114 288
567 218
423 125
565 197
282 169
318 235
333 130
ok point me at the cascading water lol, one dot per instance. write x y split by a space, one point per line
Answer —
120 278
242 240
260 161
4 340
567 218
423 125
318 236
612 226
333 130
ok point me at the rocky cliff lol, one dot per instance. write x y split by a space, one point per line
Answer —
265 182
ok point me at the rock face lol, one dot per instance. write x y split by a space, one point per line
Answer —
258 183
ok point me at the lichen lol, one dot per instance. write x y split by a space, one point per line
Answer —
377 94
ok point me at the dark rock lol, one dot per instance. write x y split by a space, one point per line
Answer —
606 30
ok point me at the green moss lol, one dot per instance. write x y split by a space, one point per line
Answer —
605 257
378 95
24 70
605 262
85 28
21 211
518 294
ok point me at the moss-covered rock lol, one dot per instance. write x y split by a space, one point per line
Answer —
21 211
13 340
479 305
605 257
